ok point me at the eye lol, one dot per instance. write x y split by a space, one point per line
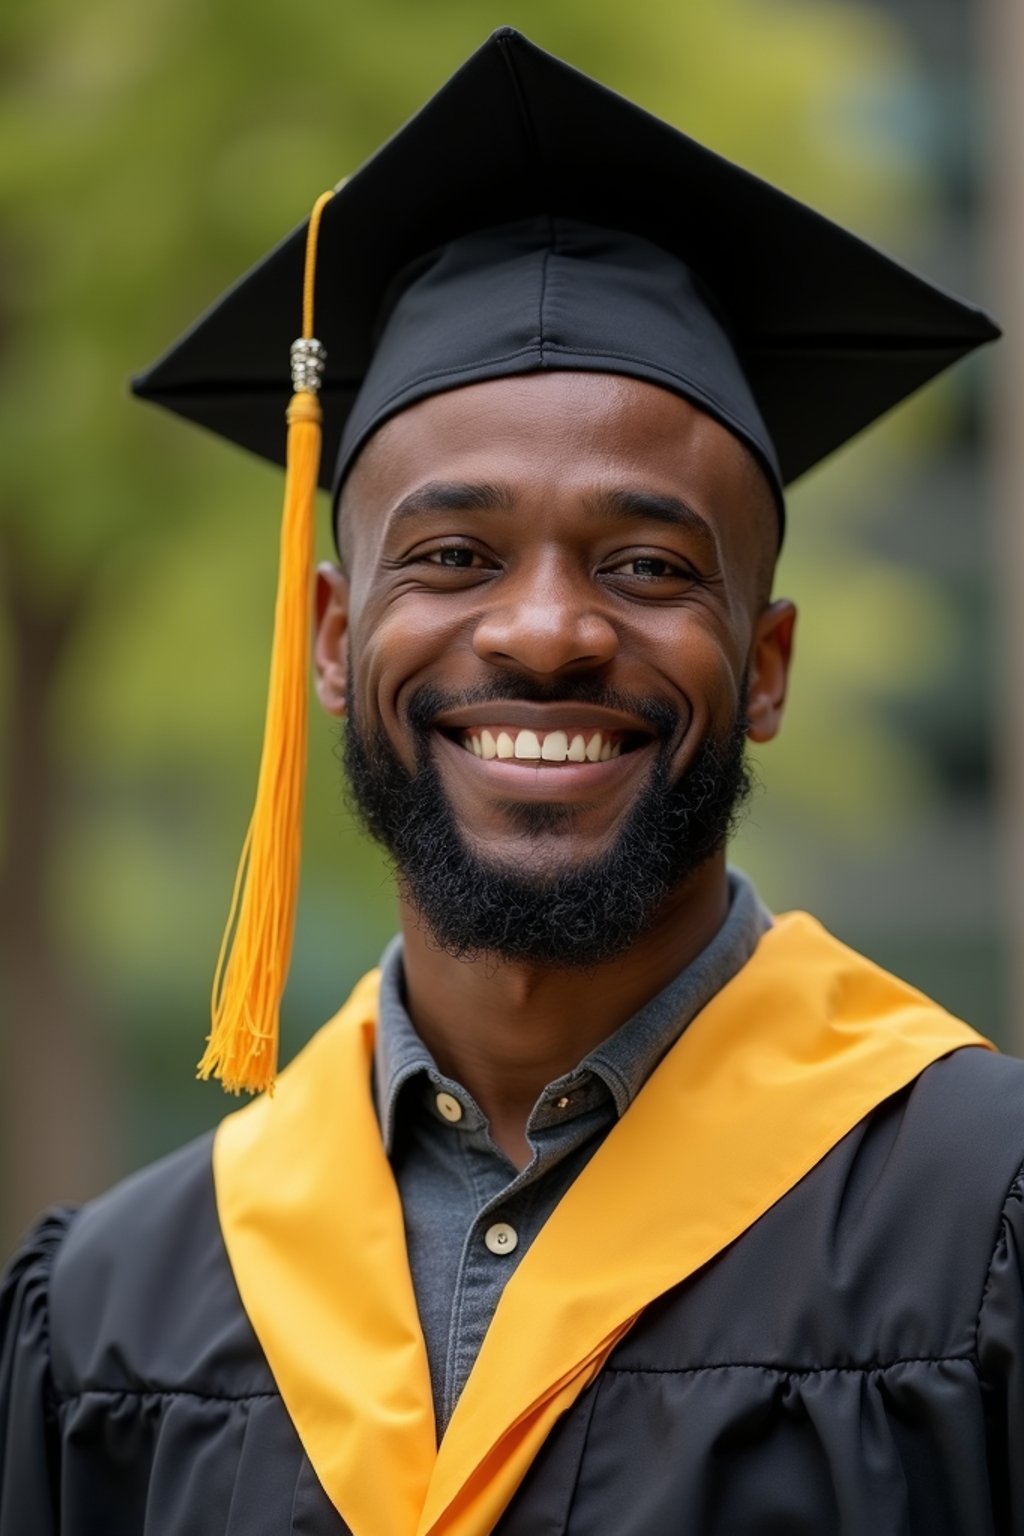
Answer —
650 566
455 557
653 568
440 559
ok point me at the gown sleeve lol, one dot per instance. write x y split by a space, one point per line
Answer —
1001 1362
29 1463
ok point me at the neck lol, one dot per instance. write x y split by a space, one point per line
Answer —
505 1030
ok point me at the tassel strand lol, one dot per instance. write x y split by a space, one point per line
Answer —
255 953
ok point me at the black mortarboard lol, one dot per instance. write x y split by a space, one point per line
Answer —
529 218
526 218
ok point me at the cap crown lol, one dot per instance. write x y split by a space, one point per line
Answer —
829 332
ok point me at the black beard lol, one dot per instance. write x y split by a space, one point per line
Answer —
580 917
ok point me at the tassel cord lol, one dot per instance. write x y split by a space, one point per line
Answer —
255 953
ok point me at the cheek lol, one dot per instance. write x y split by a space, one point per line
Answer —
699 658
394 648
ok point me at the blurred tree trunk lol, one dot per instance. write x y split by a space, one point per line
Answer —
1002 57
51 1127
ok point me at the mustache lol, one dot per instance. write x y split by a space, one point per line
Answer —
428 702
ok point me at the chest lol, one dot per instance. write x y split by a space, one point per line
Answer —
817 1377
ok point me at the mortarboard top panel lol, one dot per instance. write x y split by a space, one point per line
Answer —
830 332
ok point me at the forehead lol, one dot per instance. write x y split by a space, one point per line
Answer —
562 436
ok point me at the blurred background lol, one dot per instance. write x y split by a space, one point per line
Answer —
150 151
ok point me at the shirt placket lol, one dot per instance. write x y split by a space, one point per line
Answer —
509 1214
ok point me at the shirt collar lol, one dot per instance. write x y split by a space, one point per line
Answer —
623 1062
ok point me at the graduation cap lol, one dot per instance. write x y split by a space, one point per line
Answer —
526 218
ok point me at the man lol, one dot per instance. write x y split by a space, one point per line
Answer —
612 1204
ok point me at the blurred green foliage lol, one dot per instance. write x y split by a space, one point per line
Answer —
148 154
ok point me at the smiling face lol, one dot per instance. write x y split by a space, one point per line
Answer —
554 615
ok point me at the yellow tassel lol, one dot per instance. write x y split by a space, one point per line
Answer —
255 953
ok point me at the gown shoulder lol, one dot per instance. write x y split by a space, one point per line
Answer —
130 1376
28 1408
142 1295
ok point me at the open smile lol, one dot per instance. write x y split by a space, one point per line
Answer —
550 734
523 745
551 747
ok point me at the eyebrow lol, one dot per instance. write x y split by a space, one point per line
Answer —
637 505
655 507
453 496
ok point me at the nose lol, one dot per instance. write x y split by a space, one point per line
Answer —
545 620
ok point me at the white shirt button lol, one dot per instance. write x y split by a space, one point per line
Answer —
501 1238
449 1107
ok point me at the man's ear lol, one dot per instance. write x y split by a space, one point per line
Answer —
770 656
330 642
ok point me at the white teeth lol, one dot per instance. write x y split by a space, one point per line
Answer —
556 746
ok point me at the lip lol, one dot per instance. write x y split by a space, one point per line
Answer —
534 779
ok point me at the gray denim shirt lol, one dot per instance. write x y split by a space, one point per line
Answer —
470 1215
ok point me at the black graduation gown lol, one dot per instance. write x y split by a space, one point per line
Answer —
853 1365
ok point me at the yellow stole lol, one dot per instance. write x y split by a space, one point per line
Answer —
803 1043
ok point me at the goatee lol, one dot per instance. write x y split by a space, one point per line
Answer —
579 917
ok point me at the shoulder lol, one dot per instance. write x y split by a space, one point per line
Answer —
142 1294
915 1196
962 1130
963 1113
966 1111
937 1162
882 1253
972 1084
140 1233
933 1165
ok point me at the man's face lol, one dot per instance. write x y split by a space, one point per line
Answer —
551 639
